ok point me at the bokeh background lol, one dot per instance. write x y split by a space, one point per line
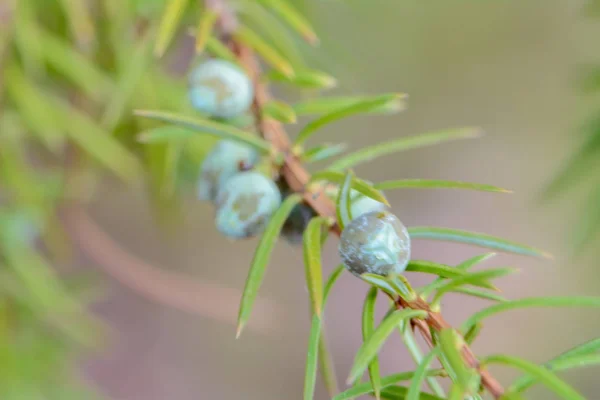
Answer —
507 66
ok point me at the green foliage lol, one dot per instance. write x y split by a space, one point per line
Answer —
202 126
91 137
414 390
327 369
402 144
387 285
317 346
576 170
258 17
128 82
471 292
303 78
566 301
558 364
342 204
442 270
450 346
65 99
261 259
269 53
436 184
357 184
293 18
335 275
416 354
400 392
313 237
172 15
32 110
206 24
464 266
473 278
552 381
323 152
371 346
76 68
354 108
386 381
219 50
327 105
280 111
368 326
472 333
312 357
475 238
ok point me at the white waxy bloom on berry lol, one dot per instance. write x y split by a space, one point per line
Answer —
220 89
245 204
226 159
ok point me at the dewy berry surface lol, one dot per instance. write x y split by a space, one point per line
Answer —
245 204
220 89
225 160
376 243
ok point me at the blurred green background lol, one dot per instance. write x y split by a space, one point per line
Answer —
508 66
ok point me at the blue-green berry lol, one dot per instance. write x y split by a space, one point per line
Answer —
375 243
220 89
361 204
226 159
245 204
296 223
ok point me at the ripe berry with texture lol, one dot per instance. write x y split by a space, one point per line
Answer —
220 89
375 243
226 159
245 204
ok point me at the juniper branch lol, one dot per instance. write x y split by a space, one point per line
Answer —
297 178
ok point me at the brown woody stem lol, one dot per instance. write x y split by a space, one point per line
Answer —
297 178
